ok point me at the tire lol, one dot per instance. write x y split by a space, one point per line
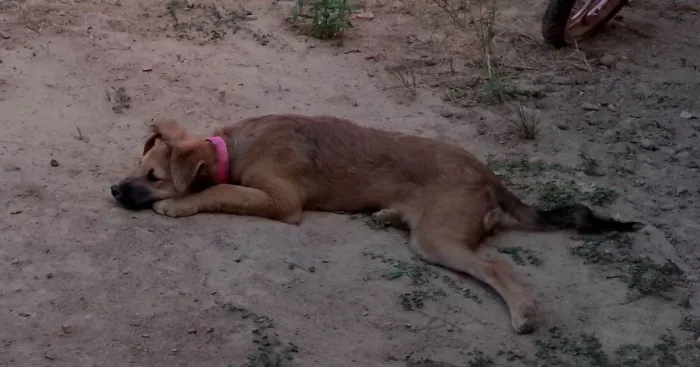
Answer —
554 22
556 18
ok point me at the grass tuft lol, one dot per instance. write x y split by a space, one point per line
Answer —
323 19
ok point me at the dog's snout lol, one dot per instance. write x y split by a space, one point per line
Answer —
115 191
131 196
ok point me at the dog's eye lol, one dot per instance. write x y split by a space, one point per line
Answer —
152 177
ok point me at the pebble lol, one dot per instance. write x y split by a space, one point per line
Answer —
681 191
620 148
590 107
446 114
642 91
648 144
562 126
527 88
363 15
682 155
686 115
610 136
608 60
54 163
629 125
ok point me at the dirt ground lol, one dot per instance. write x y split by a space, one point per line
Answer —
85 283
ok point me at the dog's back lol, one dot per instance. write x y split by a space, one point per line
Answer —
343 166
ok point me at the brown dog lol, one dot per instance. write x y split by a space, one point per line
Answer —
275 166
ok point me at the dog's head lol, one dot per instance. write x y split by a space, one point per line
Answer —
171 164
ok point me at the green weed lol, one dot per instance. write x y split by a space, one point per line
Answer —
521 256
421 274
587 350
479 359
323 19
526 122
554 194
269 351
558 193
643 276
415 300
497 91
562 350
665 353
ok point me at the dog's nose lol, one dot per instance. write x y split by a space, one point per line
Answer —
115 191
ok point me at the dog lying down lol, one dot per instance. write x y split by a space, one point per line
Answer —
276 166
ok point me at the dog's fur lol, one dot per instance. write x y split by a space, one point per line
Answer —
283 164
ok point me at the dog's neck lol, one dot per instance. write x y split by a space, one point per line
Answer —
222 159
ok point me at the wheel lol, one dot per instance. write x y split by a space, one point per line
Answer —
559 25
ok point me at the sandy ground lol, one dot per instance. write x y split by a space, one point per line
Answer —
85 283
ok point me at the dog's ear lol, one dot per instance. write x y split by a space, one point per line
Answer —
150 143
169 131
186 163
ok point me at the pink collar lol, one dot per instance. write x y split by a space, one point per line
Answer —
221 157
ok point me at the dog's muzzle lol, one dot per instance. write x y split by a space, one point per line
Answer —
130 196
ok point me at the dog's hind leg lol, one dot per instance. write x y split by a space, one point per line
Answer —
449 235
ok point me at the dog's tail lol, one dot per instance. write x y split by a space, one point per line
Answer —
574 216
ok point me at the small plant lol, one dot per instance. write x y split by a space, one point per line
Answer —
691 324
526 122
602 196
406 77
173 6
418 272
465 292
497 91
485 31
665 353
421 275
204 22
371 221
643 276
480 359
323 19
558 349
521 255
523 167
416 300
564 350
460 12
554 194
269 350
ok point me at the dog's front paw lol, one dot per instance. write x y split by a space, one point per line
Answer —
387 218
173 208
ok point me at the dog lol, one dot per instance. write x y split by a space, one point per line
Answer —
276 166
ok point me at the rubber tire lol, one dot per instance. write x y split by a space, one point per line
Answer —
557 15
